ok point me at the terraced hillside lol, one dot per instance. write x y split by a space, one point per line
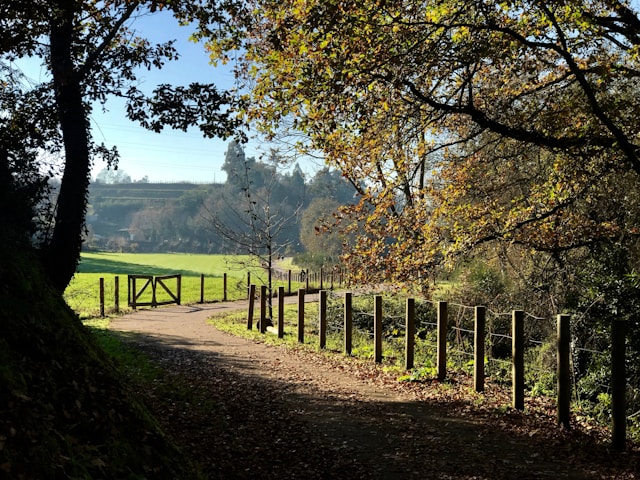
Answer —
145 213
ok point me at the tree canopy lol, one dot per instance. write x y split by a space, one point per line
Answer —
68 411
90 55
459 122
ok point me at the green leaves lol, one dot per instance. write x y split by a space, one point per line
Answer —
182 107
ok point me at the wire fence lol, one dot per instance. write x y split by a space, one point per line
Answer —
514 348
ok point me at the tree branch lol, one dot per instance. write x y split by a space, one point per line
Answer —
106 42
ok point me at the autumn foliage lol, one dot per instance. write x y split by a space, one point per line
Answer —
460 123
494 133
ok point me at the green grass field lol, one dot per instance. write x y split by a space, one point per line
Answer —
82 294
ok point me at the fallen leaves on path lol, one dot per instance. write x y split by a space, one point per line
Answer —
299 414
239 427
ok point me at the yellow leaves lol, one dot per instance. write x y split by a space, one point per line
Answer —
326 41
437 13
348 73
461 34
300 8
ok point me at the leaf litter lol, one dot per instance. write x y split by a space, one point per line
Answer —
300 414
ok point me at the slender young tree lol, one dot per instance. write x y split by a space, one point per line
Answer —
251 220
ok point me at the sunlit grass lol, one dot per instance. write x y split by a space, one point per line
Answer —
130 361
235 323
83 293
393 340
287 264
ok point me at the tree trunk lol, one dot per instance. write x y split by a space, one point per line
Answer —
61 255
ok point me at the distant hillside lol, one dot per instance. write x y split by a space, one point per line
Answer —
100 192
178 217
115 210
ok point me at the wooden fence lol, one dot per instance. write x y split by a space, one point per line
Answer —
480 337
320 280
151 285
141 289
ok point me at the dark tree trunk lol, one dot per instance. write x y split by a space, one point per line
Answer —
61 255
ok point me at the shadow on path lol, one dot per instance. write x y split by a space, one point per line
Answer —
296 417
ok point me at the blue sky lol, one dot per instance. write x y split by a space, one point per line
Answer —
172 155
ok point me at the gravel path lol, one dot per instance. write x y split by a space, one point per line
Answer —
282 414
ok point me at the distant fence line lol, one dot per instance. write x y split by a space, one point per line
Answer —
142 289
321 279
479 336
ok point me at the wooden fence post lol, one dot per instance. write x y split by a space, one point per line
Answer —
116 293
280 312
154 300
301 292
410 333
252 295
131 285
102 297
479 339
179 296
517 356
263 309
442 341
289 281
321 278
618 385
202 288
323 319
377 329
224 287
249 283
348 322
564 371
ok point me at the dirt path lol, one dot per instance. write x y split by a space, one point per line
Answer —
309 416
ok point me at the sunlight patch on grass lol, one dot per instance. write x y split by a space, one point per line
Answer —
83 292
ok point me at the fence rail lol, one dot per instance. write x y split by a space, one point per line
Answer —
150 287
320 280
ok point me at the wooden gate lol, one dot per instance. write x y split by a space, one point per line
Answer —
173 297
150 286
